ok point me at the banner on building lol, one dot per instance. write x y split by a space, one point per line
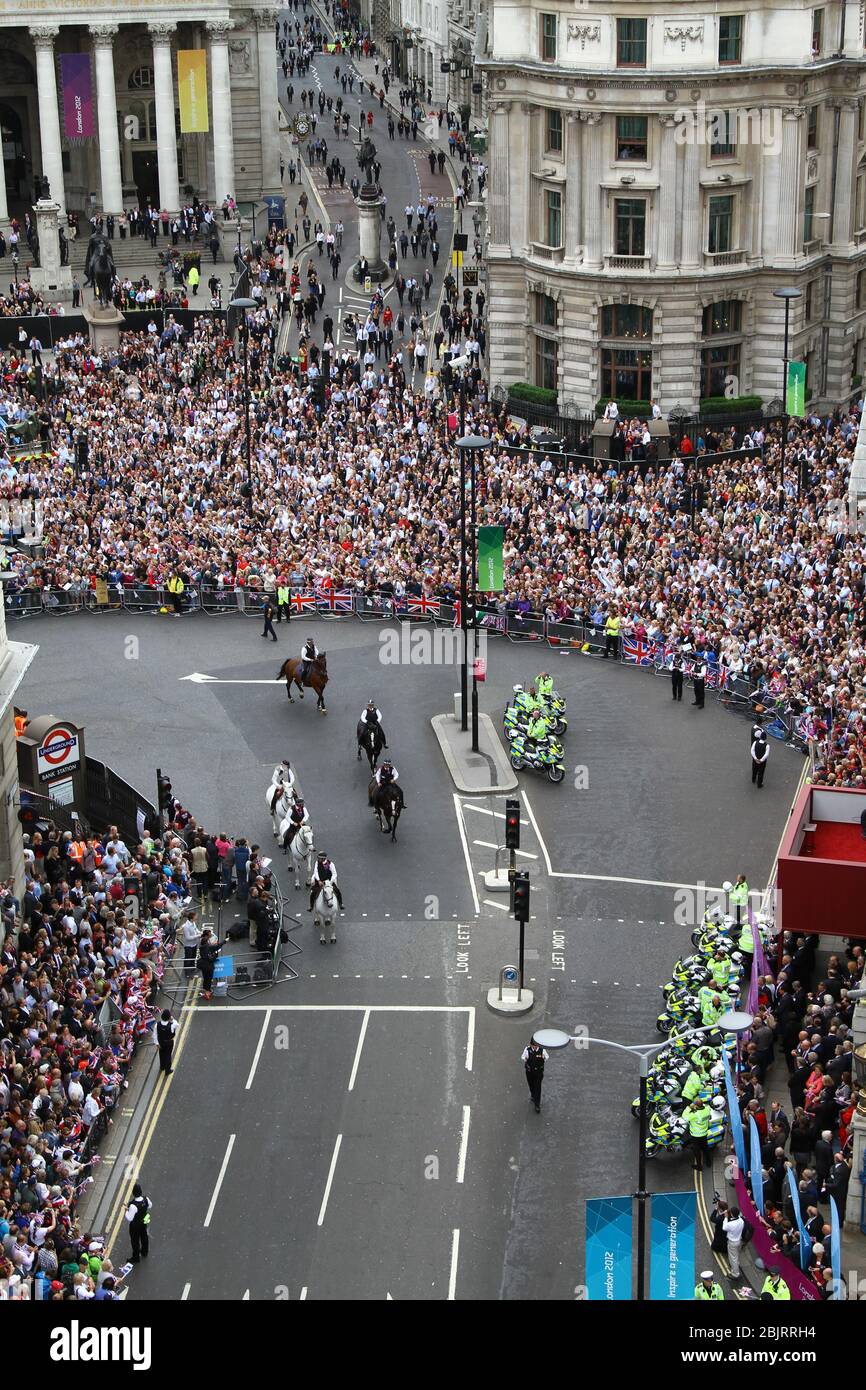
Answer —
491 569
192 90
608 1249
672 1246
796 397
77 85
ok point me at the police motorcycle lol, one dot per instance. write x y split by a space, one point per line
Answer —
518 716
541 757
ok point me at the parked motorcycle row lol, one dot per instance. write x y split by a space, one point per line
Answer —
533 725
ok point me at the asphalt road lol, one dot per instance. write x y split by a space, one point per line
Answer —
668 800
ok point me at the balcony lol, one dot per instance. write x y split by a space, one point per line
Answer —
553 254
717 260
621 263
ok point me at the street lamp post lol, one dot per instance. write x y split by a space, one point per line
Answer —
469 444
244 305
731 1022
787 293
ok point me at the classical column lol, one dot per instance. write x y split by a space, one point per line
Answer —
269 101
518 177
4 206
846 177
499 151
49 116
166 130
534 210
573 175
691 246
790 183
592 210
106 105
666 254
221 101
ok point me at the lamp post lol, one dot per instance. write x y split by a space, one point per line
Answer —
244 305
731 1022
787 293
467 444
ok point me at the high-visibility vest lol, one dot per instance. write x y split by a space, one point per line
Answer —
283 594
721 972
746 941
779 1292
699 1122
175 585
740 894
713 1293
693 1086
612 626
75 850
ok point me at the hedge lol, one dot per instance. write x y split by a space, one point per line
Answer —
538 395
626 408
726 405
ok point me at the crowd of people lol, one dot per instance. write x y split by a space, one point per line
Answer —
79 972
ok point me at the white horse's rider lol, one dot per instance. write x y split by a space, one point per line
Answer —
298 816
323 873
283 777
309 653
371 718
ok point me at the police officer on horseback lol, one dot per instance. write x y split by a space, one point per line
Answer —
309 654
324 872
386 776
371 718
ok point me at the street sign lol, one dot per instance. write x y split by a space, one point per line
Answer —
57 754
470 277
461 241
368 285
479 668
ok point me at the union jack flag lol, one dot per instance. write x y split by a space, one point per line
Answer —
423 604
303 602
335 600
638 651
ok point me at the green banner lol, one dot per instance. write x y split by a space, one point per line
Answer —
796 398
491 576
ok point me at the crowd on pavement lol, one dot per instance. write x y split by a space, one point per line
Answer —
79 972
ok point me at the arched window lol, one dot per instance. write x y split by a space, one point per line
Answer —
141 79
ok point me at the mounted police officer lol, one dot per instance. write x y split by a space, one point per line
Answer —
371 718
324 872
309 654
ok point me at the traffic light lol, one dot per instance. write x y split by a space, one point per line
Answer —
164 795
521 896
512 824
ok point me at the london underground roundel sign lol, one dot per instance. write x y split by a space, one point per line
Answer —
58 752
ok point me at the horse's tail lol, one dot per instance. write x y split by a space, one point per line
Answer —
281 674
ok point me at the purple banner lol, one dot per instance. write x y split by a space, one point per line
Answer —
77 95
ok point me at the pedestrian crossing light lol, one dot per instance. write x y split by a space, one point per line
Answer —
521 896
512 824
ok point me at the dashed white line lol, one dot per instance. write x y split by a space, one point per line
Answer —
361 1037
303 1298
452 1278
464 1145
335 1155
185 1295
265 1022
219 1181
489 902
458 808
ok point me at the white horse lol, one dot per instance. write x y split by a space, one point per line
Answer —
279 797
302 848
325 915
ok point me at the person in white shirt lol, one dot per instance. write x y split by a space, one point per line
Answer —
733 1227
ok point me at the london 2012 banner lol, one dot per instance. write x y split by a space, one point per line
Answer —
672 1246
77 85
608 1249
192 90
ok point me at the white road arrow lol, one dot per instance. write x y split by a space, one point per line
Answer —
199 678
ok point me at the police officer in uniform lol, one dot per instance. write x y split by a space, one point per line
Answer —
677 676
699 682
138 1217
165 1031
534 1058
284 599
774 1287
697 1116
760 753
268 615
708 1290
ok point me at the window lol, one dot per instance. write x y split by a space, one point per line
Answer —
808 215
817 32
553 132
545 310
807 300
720 236
631 137
812 128
631 43
719 364
626 321
721 135
858 203
548 38
545 363
626 373
629 226
856 355
553 217
860 302
141 78
730 38
725 316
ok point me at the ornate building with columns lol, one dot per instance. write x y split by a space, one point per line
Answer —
138 155
657 170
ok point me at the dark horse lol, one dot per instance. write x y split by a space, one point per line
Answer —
371 740
99 268
315 678
388 804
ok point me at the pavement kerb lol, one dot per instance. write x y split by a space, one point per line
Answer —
466 779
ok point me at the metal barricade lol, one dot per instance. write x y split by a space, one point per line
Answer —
58 601
566 632
378 607
219 601
22 603
529 627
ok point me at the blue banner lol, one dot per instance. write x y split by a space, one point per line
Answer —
757 1167
835 1249
608 1249
734 1119
672 1245
805 1238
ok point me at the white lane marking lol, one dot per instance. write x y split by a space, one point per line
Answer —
489 902
458 809
483 811
452 1278
265 1021
219 1181
336 1008
488 844
361 1037
534 823
464 1145
334 1157
304 1294
470 1038
185 1295
246 1297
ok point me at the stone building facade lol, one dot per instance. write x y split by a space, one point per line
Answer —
657 170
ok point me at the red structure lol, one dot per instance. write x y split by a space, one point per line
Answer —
821 871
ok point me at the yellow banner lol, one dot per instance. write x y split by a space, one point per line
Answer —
192 89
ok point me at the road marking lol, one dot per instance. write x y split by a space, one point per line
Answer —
484 811
458 808
452 1278
304 1294
470 1040
246 1297
199 678
534 823
361 1037
334 1157
219 1181
464 1145
488 902
265 1021
185 1295
488 844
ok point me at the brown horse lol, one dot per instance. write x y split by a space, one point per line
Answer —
315 678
